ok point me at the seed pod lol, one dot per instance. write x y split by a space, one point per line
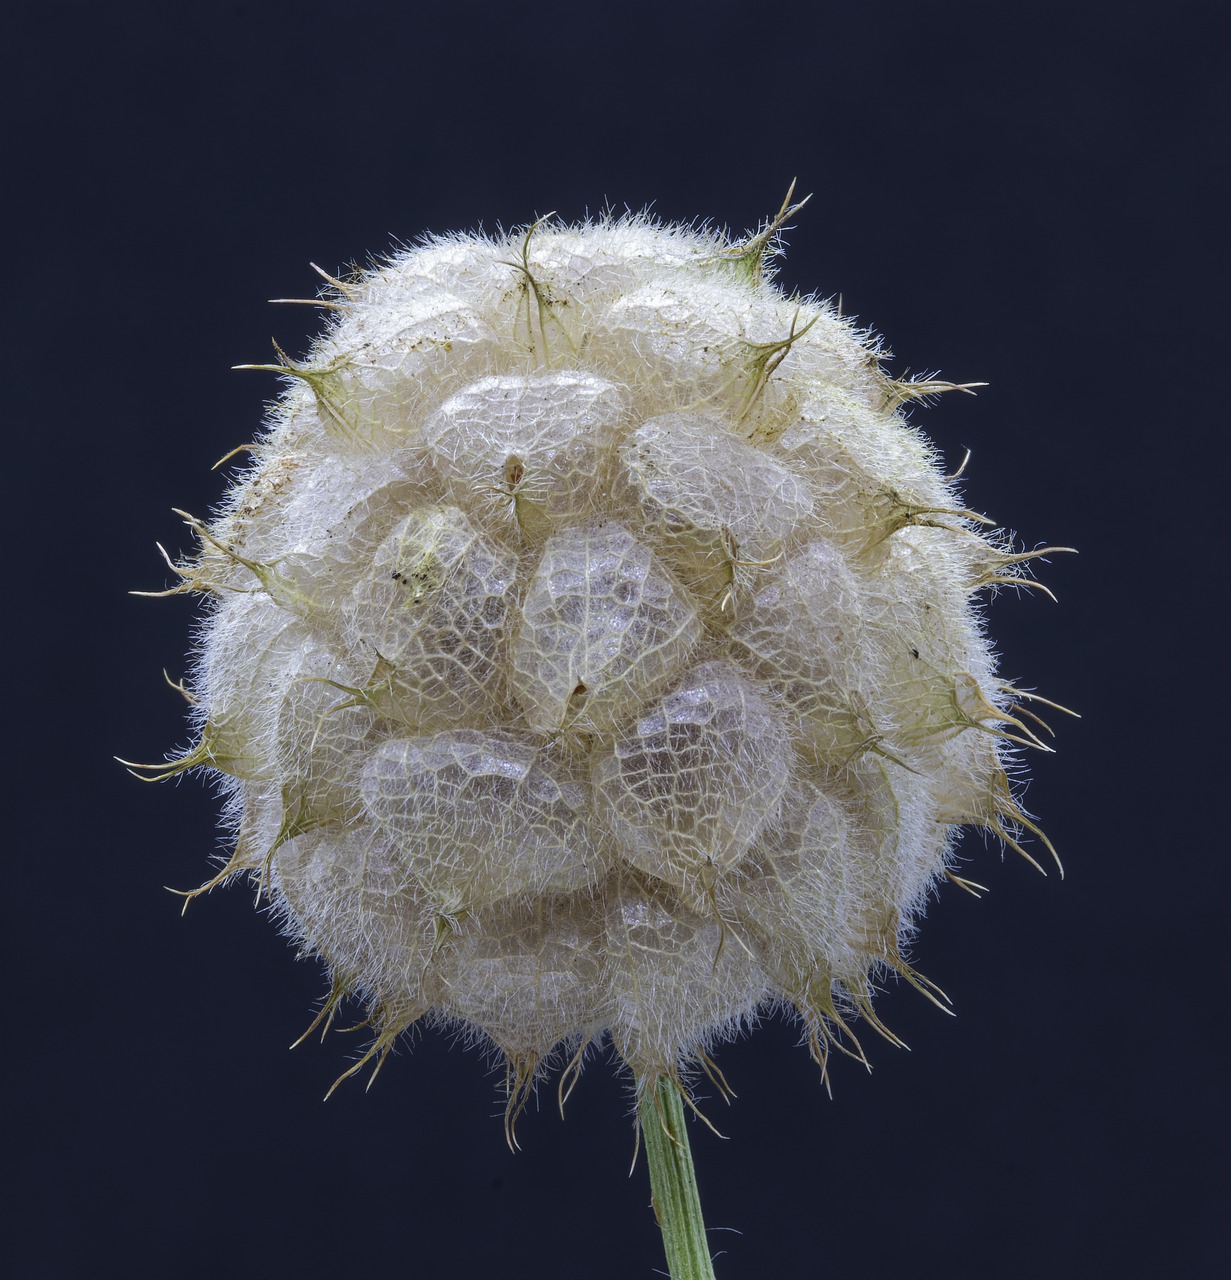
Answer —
597 649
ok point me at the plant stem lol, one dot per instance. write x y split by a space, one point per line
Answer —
673 1181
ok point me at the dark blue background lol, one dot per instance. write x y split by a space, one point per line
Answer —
1030 195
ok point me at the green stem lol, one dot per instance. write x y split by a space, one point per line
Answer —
673 1181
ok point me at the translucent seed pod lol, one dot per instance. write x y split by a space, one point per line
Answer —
523 452
529 975
257 650
353 903
791 905
376 380
871 471
431 616
602 624
479 817
674 984
718 509
322 738
806 636
695 779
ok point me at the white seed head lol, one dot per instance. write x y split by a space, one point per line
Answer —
593 648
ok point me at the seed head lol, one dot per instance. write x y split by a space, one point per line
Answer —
593 648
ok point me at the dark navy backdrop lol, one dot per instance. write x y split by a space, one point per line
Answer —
1029 195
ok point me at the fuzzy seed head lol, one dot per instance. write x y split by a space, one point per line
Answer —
593 649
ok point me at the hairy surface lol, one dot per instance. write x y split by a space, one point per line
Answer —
593 649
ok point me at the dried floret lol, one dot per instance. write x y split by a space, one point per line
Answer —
593 650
